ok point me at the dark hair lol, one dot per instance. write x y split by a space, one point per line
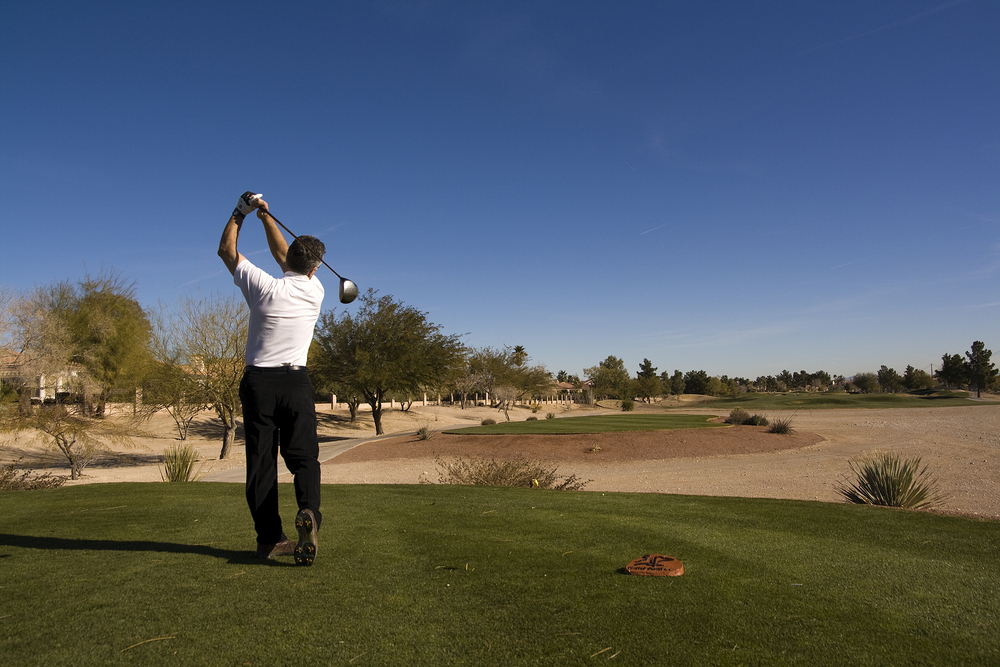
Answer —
305 254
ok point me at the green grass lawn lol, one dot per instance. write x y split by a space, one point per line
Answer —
159 574
809 401
592 424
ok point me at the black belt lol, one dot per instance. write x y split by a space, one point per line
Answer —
275 369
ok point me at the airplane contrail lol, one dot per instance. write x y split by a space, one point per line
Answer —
910 19
653 229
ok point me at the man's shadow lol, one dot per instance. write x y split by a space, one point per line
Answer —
47 543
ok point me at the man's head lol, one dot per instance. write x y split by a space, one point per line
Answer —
305 254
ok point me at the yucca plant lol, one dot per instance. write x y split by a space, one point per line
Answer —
889 480
178 464
424 433
781 425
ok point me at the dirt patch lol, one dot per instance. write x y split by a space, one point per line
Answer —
959 445
589 448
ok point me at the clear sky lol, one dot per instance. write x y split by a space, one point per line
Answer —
739 187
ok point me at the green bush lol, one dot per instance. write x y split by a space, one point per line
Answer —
13 479
488 422
738 416
628 405
550 415
886 479
531 419
178 464
517 472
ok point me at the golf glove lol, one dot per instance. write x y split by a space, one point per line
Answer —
247 203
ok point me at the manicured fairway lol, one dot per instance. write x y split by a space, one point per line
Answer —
594 424
158 574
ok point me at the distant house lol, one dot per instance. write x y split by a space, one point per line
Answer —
42 387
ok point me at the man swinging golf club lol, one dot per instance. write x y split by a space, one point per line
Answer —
278 409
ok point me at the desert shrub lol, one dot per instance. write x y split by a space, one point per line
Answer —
887 479
738 416
535 407
550 415
488 422
516 472
782 425
14 479
424 433
628 405
757 420
178 464
531 419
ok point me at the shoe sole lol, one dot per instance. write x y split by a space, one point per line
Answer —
305 550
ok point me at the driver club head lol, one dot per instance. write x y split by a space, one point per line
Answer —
348 291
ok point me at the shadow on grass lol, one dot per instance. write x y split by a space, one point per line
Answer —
67 544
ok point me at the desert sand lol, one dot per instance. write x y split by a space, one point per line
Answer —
959 446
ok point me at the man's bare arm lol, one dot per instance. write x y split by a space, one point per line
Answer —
275 239
227 246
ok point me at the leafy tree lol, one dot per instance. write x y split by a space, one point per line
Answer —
109 333
78 436
866 382
981 370
504 375
174 388
677 385
35 332
646 370
212 336
647 385
490 369
465 382
325 385
610 379
728 386
786 379
672 384
171 385
36 340
915 378
889 380
647 388
696 382
954 371
386 346
801 380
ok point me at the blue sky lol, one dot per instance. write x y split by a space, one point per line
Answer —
739 187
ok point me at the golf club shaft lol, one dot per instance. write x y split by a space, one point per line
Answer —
280 224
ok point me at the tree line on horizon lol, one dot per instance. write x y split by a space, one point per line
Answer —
91 345
610 379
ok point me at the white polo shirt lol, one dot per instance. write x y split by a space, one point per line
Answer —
283 314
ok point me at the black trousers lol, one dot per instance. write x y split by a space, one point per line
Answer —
279 414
